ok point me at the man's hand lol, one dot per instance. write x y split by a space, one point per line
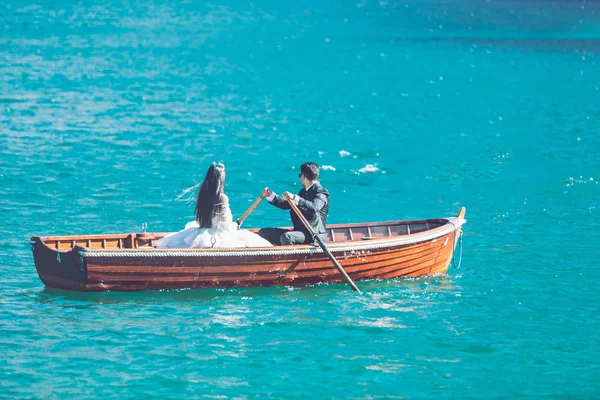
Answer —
288 196
267 192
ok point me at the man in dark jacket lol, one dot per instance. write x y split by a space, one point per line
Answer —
313 202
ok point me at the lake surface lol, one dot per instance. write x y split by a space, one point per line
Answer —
414 109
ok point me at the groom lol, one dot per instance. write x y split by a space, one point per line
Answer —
313 202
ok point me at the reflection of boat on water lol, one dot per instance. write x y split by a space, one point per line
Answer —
127 262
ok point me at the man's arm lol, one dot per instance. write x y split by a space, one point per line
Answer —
276 200
314 206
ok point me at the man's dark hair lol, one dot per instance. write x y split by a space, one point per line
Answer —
310 170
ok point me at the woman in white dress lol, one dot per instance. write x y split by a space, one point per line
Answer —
214 226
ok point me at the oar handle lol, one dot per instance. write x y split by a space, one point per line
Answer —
249 210
323 246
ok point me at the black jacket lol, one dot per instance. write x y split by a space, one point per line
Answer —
313 204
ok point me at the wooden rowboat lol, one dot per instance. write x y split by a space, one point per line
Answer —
127 262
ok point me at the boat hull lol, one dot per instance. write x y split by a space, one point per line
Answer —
89 269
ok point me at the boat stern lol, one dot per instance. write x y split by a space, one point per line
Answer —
58 269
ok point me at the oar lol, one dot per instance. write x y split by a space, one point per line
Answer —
321 243
252 207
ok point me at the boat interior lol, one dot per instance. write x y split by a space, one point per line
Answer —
335 234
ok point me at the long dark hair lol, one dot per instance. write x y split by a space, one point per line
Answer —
210 195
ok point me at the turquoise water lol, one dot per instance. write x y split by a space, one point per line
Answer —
108 111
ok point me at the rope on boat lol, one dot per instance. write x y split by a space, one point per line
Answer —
454 245
203 253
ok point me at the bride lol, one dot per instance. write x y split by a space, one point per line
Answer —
214 226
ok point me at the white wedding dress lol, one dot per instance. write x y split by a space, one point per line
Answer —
224 233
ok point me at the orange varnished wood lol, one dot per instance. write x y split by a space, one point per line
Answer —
313 265
358 268
231 272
